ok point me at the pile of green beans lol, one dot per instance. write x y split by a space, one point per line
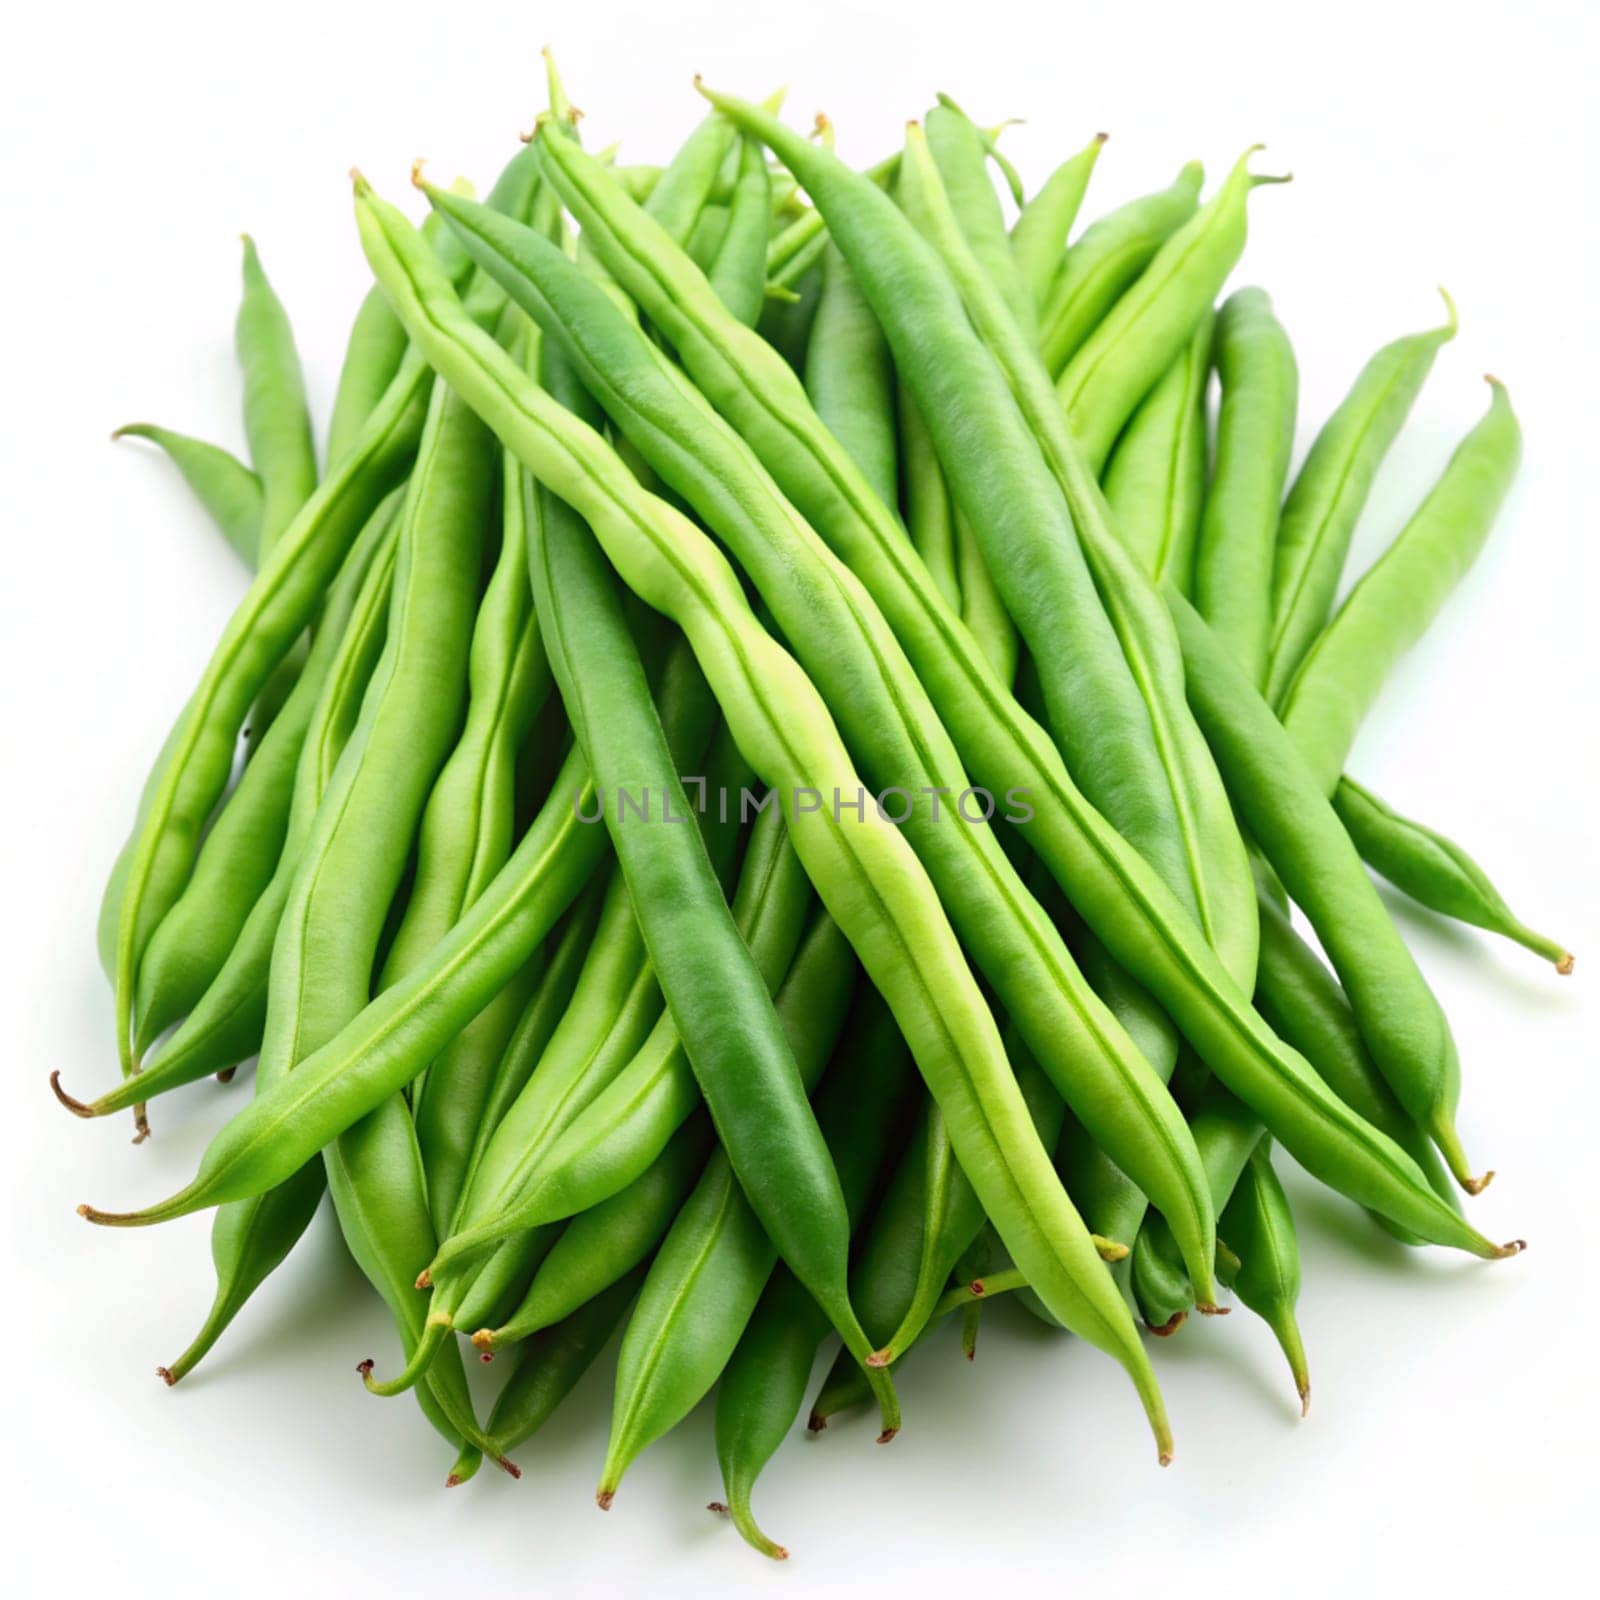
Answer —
772 782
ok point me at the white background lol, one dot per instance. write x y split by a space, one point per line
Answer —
1451 1438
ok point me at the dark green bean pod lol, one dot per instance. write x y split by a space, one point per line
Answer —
1109 257
228 490
550 1365
1400 594
1298 833
1155 481
862 1107
1142 334
1255 438
1330 489
1435 871
1039 235
1260 1232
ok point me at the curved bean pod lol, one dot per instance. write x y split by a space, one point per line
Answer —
1330 489
1300 836
1435 871
738 270
1398 597
228 490
1109 257
1255 438
1039 235
1144 331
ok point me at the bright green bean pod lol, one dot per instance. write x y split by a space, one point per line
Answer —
879 700
1155 482
1435 871
1325 501
1283 806
552 1363
241 852
738 270
850 377
862 1104
1255 437
683 189
1260 1231
376 347
1109 257
1399 596
1141 923
961 155
897 925
1142 334
277 420
1039 235
705 238
228 490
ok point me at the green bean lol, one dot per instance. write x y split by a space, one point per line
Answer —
1155 482
225 1026
983 609
960 153
1109 257
801 235
1435 871
782 725
372 357
1039 235
681 192
1330 489
1261 1231
1284 809
705 238
228 490
553 1362
786 317
876 694
1391 607
862 1104
1143 333
240 854
850 377
1255 437
1139 920
277 421
738 269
